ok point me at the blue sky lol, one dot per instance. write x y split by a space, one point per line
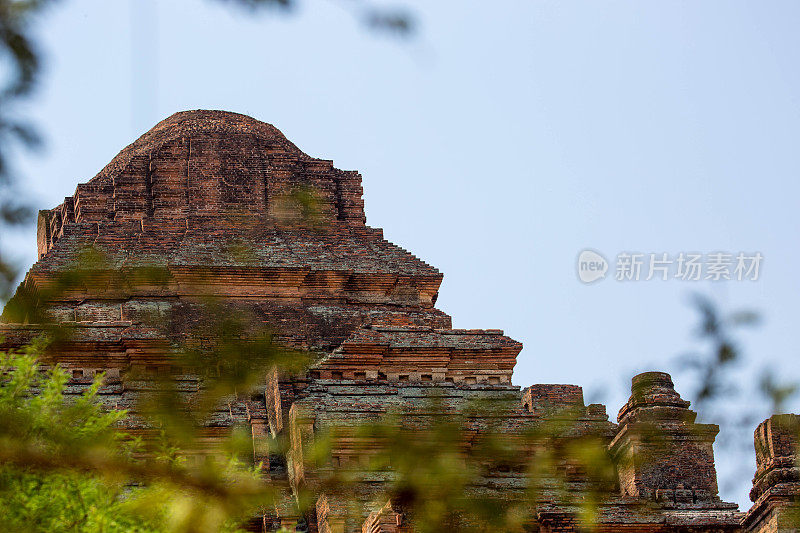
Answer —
500 142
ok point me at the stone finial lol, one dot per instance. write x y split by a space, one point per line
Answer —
661 453
776 442
653 395
776 485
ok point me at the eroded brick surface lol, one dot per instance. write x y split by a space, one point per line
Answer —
215 199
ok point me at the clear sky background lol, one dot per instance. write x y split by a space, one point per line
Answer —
499 142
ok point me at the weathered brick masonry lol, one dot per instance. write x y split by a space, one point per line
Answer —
208 196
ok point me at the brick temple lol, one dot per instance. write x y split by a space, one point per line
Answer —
201 185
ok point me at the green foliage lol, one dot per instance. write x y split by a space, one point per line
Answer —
34 411
70 501
37 420
66 466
